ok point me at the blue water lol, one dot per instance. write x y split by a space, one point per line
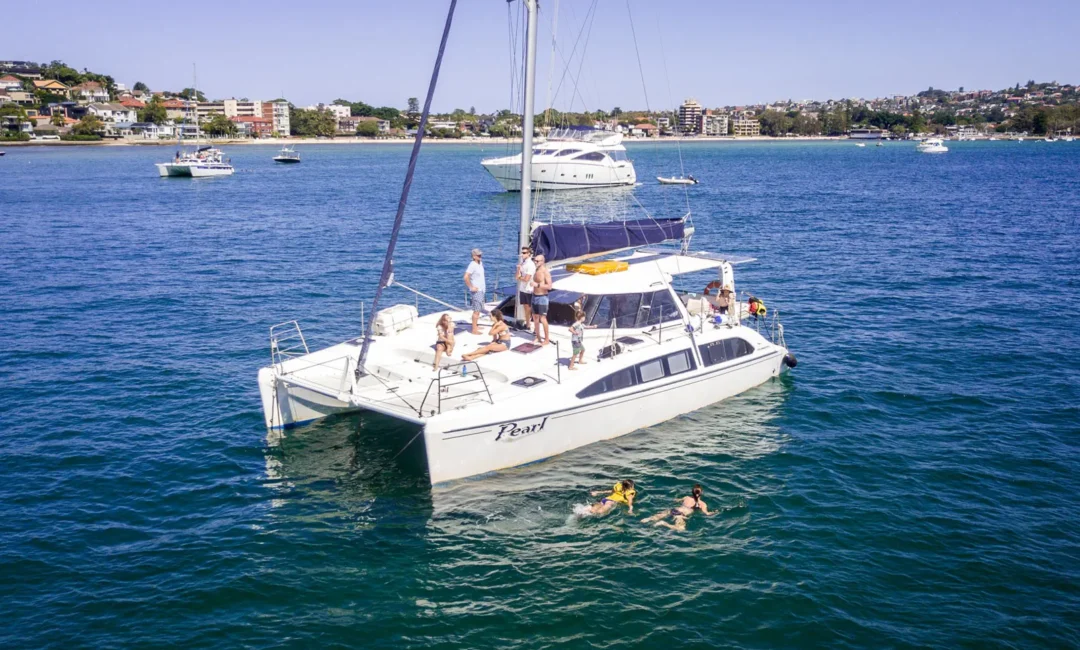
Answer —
913 483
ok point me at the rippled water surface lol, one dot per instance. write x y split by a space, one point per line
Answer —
913 483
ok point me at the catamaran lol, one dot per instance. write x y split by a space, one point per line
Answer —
656 351
200 162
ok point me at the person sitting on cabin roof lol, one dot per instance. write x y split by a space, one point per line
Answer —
500 338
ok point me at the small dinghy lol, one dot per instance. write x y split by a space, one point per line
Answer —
689 180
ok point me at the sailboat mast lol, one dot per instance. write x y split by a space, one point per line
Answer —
525 229
527 125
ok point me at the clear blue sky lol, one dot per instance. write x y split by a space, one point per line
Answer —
719 52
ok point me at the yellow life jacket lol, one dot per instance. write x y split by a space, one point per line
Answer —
619 495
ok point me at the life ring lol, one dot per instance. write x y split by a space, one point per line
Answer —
715 284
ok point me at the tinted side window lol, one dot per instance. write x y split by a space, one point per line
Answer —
726 350
592 155
617 380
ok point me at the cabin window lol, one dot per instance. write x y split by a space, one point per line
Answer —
592 155
631 309
642 373
726 350
651 370
567 152
618 156
679 362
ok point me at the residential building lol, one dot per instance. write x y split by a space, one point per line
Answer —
251 126
242 108
131 102
663 123
90 92
647 130
714 124
205 110
177 109
743 126
278 113
21 68
348 125
21 97
690 117
51 86
11 123
151 131
8 82
112 113
384 125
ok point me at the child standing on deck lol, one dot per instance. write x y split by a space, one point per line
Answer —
577 339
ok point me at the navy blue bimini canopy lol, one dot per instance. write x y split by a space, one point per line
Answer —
571 241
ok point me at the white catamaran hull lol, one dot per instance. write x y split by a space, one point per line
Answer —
193 170
520 437
562 175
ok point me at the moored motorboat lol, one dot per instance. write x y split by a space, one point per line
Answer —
932 145
287 155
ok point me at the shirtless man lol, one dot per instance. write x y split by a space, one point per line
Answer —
678 514
541 287
525 270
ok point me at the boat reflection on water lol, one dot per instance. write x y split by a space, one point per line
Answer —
356 467
348 463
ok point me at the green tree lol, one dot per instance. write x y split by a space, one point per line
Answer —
57 118
414 105
154 111
367 129
63 73
88 125
310 124
472 110
16 111
140 86
220 125
191 93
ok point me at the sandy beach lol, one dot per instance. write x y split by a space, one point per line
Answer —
141 142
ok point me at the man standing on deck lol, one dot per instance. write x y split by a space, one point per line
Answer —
541 287
474 282
525 270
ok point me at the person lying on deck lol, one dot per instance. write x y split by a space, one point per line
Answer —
500 338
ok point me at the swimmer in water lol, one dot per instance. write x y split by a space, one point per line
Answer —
678 514
621 492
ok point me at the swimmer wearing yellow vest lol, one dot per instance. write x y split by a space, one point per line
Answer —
622 492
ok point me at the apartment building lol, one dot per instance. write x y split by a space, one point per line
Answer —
743 126
714 123
278 114
690 117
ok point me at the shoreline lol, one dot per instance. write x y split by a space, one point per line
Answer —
392 141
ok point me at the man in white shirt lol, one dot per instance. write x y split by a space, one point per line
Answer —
474 282
525 270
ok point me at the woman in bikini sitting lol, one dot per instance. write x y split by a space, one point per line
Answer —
444 342
678 514
621 492
500 338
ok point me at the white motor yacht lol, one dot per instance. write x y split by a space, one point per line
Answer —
655 351
569 159
932 145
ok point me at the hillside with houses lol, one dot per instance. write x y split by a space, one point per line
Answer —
57 102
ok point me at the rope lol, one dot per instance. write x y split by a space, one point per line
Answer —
388 261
